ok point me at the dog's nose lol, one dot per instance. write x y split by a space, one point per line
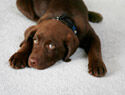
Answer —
33 61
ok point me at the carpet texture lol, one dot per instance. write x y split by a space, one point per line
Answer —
65 78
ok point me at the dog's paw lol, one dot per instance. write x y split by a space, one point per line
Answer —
18 60
97 69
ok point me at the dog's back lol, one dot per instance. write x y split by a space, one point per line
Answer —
35 9
57 6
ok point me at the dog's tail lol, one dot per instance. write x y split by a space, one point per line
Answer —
94 17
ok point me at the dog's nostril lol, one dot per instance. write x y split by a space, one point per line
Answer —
33 61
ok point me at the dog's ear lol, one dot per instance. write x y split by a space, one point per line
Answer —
72 44
26 7
30 32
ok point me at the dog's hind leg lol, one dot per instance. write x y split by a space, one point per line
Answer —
26 7
94 17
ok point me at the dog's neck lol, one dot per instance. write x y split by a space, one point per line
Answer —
65 19
68 21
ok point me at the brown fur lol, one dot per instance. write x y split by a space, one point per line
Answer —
50 31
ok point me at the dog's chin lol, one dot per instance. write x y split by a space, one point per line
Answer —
43 66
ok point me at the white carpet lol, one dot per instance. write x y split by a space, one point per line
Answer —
65 78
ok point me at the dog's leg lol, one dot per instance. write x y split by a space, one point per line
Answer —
26 7
92 46
20 58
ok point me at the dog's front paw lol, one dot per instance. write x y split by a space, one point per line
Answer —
18 60
97 69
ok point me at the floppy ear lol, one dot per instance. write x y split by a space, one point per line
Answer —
26 7
29 33
72 44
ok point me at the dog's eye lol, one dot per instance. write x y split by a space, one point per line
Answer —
35 41
51 46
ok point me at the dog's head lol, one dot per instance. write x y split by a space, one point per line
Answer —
52 41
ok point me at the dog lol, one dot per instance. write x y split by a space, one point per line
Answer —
62 26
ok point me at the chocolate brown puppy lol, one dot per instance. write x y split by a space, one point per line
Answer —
62 26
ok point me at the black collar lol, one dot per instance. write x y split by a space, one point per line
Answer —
68 21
